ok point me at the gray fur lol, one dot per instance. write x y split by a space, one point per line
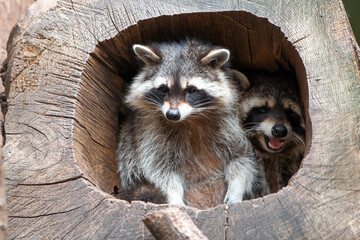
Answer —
162 152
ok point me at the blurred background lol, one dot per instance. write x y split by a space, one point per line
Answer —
352 8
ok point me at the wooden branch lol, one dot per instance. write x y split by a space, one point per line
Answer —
172 223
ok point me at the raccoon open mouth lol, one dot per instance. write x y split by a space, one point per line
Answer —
274 144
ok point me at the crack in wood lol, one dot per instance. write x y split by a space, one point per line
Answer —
260 6
284 210
236 21
226 210
72 5
111 15
300 39
248 29
88 132
79 222
45 215
81 125
54 183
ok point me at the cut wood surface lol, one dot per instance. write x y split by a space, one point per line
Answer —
68 63
11 11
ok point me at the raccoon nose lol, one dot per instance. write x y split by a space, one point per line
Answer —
279 130
173 114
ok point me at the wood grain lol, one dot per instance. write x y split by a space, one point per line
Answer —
172 223
69 62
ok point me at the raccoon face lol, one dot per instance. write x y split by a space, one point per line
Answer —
180 80
274 124
273 120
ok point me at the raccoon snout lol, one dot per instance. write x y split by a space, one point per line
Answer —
173 115
279 130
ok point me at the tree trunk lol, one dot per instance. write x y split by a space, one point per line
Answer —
68 63
11 11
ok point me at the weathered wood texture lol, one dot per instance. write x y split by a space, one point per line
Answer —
3 212
68 61
10 12
172 223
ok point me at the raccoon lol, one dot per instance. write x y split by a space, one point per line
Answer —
273 120
183 134
142 191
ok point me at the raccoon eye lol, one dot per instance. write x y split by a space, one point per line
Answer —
163 88
191 89
293 116
263 109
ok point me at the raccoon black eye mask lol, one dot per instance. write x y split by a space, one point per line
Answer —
184 123
273 127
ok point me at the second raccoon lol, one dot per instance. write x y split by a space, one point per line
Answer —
273 120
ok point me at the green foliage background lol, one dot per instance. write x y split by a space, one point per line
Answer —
352 8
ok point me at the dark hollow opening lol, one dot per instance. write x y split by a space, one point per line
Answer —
255 44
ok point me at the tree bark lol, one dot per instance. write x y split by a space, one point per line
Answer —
172 223
69 61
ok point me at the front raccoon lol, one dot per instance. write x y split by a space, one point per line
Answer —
273 120
183 134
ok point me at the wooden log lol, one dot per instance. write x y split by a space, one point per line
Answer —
68 64
172 223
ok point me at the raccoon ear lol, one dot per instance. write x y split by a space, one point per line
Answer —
241 78
146 54
216 58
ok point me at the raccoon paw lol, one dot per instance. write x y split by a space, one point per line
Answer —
175 200
233 197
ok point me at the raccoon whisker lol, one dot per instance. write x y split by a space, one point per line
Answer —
298 143
144 116
251 123
208 110
147 114
150 109
201 104
205 110
250 130
153 99
201 114
298 140
299 146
